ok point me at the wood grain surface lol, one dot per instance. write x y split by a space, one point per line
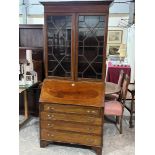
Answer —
75 93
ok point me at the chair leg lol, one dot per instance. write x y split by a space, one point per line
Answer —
117 120
131 113
121 120
119 124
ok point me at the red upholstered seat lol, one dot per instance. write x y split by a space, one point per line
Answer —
113 108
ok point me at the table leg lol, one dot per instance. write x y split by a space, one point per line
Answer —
26 112
25 104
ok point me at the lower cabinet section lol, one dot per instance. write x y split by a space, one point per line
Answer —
70 137
71 124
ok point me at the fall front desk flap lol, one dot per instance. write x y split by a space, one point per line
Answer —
75 93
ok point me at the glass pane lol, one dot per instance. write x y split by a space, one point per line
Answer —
91 42
59 45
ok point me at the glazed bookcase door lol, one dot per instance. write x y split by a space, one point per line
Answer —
90 46
59 29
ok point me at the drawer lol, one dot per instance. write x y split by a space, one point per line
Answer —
71 137
68 126
72 109
71 118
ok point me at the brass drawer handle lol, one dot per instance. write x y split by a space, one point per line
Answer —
50 116
50 108
50 135
50 125
94 112
91 111
88 111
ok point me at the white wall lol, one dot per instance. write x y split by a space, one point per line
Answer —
116 23
20 19
35 19
131 51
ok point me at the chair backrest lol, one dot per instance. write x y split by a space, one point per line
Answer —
121 78
125 87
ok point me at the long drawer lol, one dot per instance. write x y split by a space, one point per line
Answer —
69 137
72 109
68 126
71 118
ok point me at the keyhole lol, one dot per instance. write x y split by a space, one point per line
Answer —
73 84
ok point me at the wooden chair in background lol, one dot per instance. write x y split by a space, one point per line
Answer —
120 83
116 108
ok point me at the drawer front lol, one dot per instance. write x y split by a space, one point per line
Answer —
67 126
71 118
72 109
70 137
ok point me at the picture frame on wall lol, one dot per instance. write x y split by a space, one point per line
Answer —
115 36
112 49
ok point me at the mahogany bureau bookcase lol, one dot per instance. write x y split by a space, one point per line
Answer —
72 94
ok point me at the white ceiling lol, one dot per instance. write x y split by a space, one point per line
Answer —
119 7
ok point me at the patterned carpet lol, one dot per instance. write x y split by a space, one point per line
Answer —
114 143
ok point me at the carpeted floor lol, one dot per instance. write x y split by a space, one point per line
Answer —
114 143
